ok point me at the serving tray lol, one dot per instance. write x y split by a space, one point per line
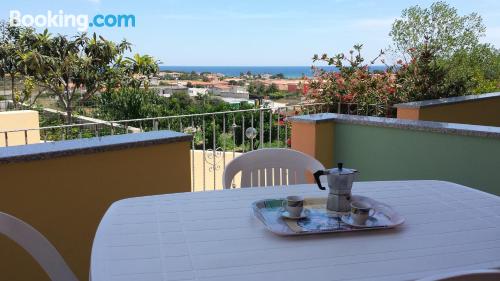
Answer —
268 211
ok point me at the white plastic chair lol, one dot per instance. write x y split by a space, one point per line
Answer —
472 275
270 166
37 246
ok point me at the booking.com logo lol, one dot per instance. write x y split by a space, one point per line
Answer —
81 22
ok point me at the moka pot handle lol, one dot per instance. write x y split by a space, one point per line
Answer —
318 174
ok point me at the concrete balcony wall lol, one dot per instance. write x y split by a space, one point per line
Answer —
20 119
473 109
64 188
392 149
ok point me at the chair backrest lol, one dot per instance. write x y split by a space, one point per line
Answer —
472 275
271 166
37 246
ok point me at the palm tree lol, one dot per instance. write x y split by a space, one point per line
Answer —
5 60
63 65
142 68
10 59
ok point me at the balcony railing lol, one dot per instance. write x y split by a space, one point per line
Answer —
218 137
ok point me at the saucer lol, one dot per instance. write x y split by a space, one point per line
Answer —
370 222
284 213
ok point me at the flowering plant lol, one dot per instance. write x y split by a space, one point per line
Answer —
353 82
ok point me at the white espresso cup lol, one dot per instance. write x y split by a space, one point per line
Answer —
294 205
360 212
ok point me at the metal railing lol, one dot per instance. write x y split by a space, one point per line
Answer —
218 137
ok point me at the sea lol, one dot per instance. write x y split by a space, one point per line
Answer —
289 72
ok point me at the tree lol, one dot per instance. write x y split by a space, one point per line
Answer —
439 28
442 57
479 69
11 62
352 82
131 103
142 67
424 78
63 66
257 89
272 89
442 54
251 88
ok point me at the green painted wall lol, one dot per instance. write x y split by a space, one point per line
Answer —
400 154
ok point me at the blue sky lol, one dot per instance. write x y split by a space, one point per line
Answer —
250 32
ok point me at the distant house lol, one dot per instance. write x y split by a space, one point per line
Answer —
213 76
238 101
292 88
175 74
201 84
285 85
154 81
230 91
238 89
167 91
194 92
218 89
170 75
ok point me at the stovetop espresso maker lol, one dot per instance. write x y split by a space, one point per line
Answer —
340 183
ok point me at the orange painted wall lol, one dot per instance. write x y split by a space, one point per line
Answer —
408 113
315 139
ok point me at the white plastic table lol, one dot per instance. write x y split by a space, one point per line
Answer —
214 236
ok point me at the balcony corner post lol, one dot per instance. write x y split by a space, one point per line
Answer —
316 139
